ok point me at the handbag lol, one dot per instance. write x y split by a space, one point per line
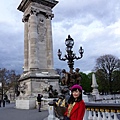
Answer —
59 111
66 118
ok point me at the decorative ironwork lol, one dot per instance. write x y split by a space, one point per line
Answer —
70 56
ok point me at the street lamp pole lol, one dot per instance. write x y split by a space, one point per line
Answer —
70 56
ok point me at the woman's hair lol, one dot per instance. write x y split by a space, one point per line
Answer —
72 99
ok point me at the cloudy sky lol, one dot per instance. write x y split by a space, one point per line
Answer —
93 24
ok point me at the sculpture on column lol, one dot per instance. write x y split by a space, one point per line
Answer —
22 88
77 76
52 92
65 78
69 79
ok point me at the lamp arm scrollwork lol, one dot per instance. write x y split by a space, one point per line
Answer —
63 59
77 58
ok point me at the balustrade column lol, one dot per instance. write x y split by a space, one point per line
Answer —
90 115
51 115
115 116
33 37
99 116
94 115
109 116
86 114
103 114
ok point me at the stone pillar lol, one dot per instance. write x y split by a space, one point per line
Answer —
38 57
49 43
33 37
94 86
26 50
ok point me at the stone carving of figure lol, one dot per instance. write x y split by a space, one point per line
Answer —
52 93
77 76
22 88
65 78
50 90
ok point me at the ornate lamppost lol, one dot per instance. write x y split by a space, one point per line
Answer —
70 56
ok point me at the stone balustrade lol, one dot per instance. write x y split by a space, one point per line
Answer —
102 111
94 111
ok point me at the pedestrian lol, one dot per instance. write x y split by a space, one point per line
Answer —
39 102
0 103
3 103
76 106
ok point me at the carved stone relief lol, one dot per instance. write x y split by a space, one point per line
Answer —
41 29
23 87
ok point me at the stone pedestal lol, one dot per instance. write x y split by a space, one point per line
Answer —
32 84
51 115
25 104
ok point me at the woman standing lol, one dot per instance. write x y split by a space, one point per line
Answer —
76 106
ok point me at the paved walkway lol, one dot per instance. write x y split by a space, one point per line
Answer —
9 112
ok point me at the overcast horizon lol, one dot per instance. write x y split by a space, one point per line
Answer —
94 25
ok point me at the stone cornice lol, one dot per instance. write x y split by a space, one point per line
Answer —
36 10
25 3
29 75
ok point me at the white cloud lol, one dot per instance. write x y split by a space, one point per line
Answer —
94 24
96 28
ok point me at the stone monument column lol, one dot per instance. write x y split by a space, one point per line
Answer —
38 71
94 85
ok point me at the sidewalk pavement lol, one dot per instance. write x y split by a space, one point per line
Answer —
9 112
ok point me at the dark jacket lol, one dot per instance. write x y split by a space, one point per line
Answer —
39 98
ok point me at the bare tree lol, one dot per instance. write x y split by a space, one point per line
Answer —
9 79
107 64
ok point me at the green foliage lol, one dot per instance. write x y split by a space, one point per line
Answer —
116 81
102 81
86 81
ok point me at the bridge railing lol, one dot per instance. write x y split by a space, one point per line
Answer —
94 111
102 111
